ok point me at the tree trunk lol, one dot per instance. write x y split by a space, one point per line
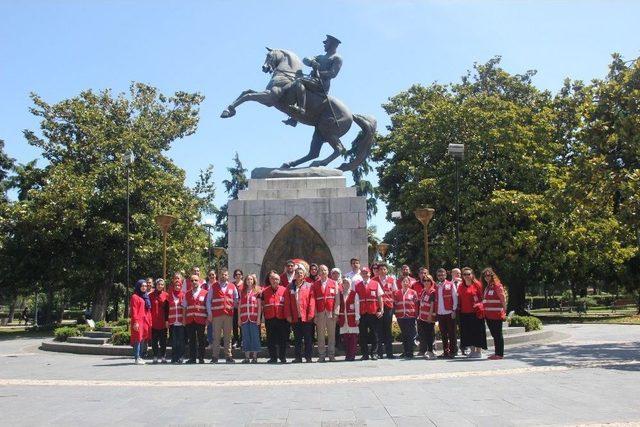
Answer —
48 308
101 299
517 298
12 308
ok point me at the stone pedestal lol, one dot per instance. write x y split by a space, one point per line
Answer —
317 219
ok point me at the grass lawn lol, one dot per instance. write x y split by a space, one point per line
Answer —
14 332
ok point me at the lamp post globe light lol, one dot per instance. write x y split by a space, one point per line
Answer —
128 160
209 224
164 222
424 215
457 152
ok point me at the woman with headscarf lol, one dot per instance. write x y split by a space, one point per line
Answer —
139 305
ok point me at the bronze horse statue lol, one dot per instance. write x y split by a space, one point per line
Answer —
328 115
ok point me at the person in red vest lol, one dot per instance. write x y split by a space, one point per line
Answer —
326 293
288 274
370 294
139 305
405 305
421 283
221 298
472 330
159 321
388 285
250 312
176 320
446 307
426 315
238 277
349 318
195 302
299 308
404 272
495 309
273 298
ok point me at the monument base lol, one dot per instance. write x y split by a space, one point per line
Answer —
318 219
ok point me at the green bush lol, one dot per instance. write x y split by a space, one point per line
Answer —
529 323
61 334
121 322
100 324
120 336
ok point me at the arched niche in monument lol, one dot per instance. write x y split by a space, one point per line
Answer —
296 239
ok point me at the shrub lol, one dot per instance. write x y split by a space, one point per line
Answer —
120 336
121 322
61 334
100 324
530 323
83 328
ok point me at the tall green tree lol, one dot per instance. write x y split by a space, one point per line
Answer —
80 213
232 186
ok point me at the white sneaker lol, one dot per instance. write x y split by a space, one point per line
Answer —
140 361
164 360
155 360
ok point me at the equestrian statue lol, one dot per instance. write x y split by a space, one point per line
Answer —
305 99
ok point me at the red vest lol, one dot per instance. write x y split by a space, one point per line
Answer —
175 309
427 307
368 297
325 301
248 310
158 303
493 308
348 309
447 294
273 302
284 280
387 287
302 310
418 286
197 307
222 301
405 304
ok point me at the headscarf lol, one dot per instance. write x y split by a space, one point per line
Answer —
143 295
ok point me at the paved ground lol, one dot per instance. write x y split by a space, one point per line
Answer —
590 376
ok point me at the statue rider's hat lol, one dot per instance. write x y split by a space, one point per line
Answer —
332 39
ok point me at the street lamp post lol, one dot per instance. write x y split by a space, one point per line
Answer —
219 252
457 152
208 224
128 162
164 222
424 215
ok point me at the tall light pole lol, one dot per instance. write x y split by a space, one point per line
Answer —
424 215
164 222
128 162
457 152
208 224
219 252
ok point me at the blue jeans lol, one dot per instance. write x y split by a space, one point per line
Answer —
137 347
250 337
177 343
210 332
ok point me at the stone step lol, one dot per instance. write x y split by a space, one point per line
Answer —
105 329
111 350
97 334
87 340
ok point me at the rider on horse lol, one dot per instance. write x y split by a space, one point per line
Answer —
325 67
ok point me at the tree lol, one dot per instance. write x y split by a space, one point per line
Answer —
80 211
232 187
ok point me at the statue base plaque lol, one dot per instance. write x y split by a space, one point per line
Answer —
318 219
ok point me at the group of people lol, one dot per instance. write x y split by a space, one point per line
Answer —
357 308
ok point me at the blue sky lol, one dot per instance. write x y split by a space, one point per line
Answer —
58 48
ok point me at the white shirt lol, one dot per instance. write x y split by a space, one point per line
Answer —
354 276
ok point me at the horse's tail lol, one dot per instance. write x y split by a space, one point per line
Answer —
363 141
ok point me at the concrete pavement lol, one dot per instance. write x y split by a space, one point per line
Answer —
590 376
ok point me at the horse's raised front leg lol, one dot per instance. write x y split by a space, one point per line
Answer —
314 152
338 149
266 98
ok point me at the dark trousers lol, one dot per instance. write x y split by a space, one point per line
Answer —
197 340
177 343
384 333
159 337
303 331
350 342
277 336
448 331
408 329
237 333
368 333
426 336
495 327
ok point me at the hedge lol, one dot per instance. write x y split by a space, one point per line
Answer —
61 334
530 323
120 335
